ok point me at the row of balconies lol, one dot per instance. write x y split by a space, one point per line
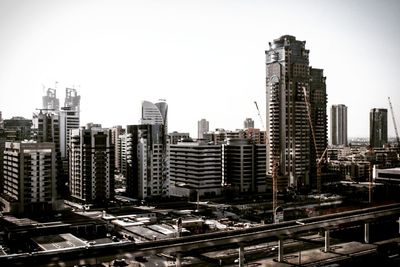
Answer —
183 165
195 170
187 162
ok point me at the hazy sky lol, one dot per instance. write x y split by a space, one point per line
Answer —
206 58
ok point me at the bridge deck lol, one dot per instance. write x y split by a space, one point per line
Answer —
261 233
316 257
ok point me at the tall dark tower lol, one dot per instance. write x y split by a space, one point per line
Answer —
339 125
378 127
291 145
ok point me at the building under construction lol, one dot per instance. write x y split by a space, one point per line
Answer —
296 114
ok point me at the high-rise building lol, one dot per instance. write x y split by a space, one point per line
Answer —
116 132
149 140
47 129
145 153
291 83
122 154
339 125
50 100
195 168
378 127
151 114
248 123
14 129
53 124
244 166
2 146
72 99
69 118
29 177
163 108
203 126
91 165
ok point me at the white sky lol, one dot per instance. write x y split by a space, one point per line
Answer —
206 58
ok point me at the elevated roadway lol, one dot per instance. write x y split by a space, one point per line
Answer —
238 238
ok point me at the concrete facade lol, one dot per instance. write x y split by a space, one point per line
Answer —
176 137
195 166
203 126
91 165
29 177
339 125
146 166
244 166
288 78
378 127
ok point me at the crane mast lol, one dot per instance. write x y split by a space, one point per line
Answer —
394 123
319 158
275 167
259 115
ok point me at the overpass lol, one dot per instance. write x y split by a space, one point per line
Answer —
238 238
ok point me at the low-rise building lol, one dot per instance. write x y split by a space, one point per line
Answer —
244 166
387 176
195 167
29 175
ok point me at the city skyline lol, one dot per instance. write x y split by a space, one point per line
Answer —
205 58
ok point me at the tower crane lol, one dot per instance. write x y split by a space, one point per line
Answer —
319 158
275 166
259 115
394 123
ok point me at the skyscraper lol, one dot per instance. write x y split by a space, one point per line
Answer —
378 127
339 125
291 84
91 165
248 123
203 126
